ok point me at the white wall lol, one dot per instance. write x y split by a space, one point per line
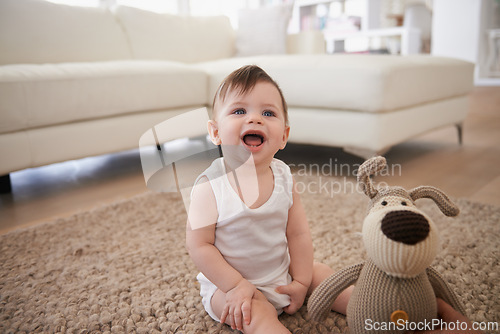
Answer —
455 30
459 31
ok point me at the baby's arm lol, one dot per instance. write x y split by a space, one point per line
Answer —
200 238
301 255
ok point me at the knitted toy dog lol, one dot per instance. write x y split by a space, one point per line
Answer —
395 289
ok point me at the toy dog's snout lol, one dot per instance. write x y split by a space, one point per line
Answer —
405 226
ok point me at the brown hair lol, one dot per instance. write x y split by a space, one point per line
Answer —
244 80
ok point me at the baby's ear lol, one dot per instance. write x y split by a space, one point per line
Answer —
213 131
285 137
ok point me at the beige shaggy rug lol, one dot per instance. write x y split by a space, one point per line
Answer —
124 267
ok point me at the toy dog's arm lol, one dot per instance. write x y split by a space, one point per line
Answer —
443 291
324 295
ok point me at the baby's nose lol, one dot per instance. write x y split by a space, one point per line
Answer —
254 118
405 226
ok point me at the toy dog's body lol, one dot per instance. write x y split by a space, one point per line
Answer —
395 289
413 295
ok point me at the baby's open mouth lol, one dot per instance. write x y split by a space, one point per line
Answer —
253 139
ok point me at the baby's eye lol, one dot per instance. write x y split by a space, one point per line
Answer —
268 113
239 112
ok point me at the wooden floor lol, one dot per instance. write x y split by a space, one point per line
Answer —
471 171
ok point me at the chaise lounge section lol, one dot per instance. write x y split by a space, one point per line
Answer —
363 103
77 82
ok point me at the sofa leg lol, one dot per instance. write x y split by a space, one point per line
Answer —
460 132
364 153
5 184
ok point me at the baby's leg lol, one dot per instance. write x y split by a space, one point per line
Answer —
320 273
264 318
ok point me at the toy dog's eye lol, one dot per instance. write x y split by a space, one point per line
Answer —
384 203
404 203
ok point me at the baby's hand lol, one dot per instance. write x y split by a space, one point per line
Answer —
297 292
238 304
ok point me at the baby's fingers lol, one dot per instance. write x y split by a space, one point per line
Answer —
242 315
236 323
246 308
292 308
224 314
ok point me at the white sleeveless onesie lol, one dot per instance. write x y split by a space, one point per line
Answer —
253 241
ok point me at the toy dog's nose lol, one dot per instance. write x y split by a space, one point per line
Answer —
405 226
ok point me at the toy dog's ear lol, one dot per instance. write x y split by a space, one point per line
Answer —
370 167
442 201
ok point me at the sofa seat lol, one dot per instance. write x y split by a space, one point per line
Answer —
367 83
33 96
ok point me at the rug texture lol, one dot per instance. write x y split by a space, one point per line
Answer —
124 267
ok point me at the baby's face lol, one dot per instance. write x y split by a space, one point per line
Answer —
254 121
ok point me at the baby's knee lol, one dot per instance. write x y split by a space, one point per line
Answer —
262 307
320 272
321 269
264 318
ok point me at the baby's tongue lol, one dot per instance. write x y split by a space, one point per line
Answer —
252 140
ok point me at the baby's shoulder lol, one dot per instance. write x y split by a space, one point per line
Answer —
281 168
202 201
215 170
279 163
202 188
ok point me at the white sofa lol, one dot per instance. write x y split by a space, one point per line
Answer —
78 82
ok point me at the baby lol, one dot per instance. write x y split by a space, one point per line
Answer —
247 231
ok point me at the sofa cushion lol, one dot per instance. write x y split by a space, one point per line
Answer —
271 22
36 32
370 83
40 95
179 38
